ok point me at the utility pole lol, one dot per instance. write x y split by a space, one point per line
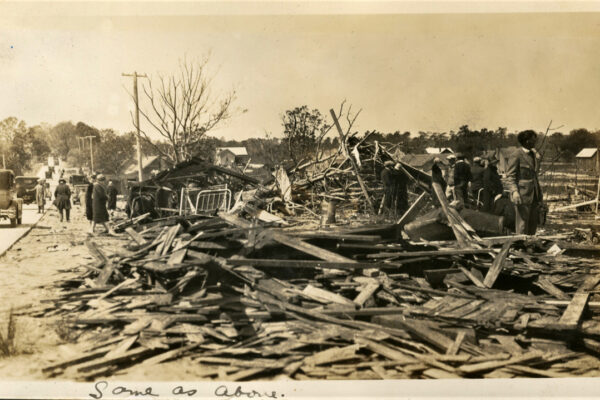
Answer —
91 151
135 75
3 161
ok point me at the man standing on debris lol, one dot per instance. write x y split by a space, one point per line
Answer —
62 199
111 193
477 182
401 181
523 184
450 177
99 206
40 195
389 187
462 177
492 185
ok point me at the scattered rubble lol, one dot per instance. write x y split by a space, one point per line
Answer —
265 290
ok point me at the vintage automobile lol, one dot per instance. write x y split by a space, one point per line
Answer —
11 207
26 188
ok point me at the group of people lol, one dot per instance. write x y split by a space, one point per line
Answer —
99 200
519 200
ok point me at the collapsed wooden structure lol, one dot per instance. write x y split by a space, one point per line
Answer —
246 294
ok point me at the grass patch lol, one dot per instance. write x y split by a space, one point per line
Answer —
7 342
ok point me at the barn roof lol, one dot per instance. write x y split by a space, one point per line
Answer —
587 153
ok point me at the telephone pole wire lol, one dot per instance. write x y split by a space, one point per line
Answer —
135 75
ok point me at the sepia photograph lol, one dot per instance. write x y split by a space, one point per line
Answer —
278 199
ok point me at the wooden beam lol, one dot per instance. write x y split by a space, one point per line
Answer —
413 210
307 247
497 265
572 315
353 162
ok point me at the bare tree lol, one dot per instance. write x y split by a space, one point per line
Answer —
182 109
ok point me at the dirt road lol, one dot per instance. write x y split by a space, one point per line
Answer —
48 253
8 235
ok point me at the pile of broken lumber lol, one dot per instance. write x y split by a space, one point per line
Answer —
246 300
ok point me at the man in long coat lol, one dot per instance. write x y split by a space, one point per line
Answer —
523 185
89 210
100 213
62 199
492 185
390 188
462 177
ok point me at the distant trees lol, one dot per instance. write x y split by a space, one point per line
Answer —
182 109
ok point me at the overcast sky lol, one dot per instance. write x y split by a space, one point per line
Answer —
432 72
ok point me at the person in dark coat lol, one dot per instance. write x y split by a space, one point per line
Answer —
62 199
100 213
492 185
389 187
89 211
477 182
401 181
111 193
462 177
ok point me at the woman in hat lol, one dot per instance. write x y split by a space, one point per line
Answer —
62 199
89 211
99 211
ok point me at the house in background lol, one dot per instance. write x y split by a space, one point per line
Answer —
588 161
229 156
438 150
149 165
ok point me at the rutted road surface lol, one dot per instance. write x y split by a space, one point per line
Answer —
8 235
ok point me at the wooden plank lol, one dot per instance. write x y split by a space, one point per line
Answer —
436 373
572 315
472 277
385 351
332 355
544 283
489 365
139 239
307 247
293 264
413 210
453 350
497 265
78 360
462 236
365 293
122 347
135 353
325 296
177 257
416 328
169 239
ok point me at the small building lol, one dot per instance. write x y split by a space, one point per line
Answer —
588 161
229 156
149 165
438 150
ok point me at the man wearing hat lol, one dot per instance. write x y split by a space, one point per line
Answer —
99 198
389 187
62 199
462 177
522 182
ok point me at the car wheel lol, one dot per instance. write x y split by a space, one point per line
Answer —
13 222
